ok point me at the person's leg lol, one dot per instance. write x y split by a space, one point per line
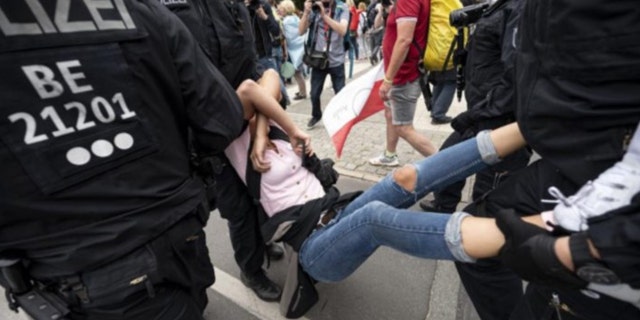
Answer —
442 101
403 102
302 86
439 170
237 207
317 83
351 54
447 199
354 44
337 250
406 185
389 157
337 78
494 289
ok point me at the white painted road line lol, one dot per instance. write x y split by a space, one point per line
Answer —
232 289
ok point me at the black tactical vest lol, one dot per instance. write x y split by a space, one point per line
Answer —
95 103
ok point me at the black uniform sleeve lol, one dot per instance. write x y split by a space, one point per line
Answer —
616 235
213 109
499 101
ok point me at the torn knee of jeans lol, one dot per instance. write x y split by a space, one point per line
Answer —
406 177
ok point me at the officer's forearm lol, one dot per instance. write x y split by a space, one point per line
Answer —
563 252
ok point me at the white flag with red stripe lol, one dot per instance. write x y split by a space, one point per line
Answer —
355 102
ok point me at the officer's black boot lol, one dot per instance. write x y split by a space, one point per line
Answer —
274 252
263 287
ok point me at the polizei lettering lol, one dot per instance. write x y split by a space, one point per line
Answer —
35 17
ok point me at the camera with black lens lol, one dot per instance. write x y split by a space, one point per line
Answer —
315 8
467 15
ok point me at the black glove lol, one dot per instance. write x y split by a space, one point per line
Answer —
463 122
529 251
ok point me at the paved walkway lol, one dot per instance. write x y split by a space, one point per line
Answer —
367 138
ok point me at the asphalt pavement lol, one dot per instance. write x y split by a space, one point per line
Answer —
390 285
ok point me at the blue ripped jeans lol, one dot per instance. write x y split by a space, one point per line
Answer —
378 217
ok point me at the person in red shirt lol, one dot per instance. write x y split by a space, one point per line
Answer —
406 29
353 26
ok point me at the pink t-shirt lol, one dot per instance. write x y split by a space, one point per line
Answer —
286 184
407 10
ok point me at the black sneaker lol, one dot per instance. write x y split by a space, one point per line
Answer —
263 287
274 252
443 120
312 122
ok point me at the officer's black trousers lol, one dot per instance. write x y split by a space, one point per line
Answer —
493 288
237 207
178 270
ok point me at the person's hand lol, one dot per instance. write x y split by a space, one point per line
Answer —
462 122
307 6
384 90
321 5
260 145
529 252
300 139
260 13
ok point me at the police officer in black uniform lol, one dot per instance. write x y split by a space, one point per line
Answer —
577 70
490 95
98 199
224 30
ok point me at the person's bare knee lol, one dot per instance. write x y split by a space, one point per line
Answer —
406 177
403 130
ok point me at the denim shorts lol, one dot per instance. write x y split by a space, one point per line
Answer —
403 100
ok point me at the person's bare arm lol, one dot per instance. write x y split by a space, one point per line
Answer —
255 98
305 21
398 55
341 27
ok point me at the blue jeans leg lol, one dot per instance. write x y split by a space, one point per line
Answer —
336 251
317 83
337 77
442 97
434 173
373 219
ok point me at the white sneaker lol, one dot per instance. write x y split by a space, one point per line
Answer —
613 189
385 161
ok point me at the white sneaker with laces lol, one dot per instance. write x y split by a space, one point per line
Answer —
612 189
385 161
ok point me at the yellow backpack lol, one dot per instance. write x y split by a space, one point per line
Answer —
440 36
